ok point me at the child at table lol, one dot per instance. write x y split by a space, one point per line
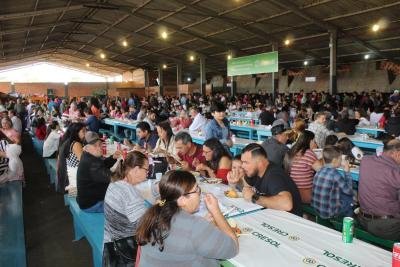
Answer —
332 193
236 176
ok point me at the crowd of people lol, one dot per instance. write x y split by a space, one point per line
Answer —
298 165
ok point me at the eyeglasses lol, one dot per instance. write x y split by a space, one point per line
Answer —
147 170
198 190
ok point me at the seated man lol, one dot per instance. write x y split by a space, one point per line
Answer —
318 127
276 145
190 153
266 183
94 174
199 122
378 192
332 193
147 139
345 124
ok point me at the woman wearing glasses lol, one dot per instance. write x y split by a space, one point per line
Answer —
219 161
170 235
123 207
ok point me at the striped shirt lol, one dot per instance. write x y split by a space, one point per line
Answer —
3 161
192 242
302 172
123 207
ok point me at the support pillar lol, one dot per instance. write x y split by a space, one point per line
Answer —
203 80
332 62
233 78
178 77
146 78
66 90
274 77
12 87
160 80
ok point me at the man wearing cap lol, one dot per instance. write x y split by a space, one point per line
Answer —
93 174
276 145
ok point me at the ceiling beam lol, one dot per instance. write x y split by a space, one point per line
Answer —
288 4
30 25
33 28
131 12
50 11
257 32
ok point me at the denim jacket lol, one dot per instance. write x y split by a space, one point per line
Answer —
214 130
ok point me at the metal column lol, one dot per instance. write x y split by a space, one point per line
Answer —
274 78
160 80
178 77
332 62
203 80
233 78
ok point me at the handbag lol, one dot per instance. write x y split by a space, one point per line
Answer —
120 253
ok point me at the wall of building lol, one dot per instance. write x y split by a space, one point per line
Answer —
5 87
365 76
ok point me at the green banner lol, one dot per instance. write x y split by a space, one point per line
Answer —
261 63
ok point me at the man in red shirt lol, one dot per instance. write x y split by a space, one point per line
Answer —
190 153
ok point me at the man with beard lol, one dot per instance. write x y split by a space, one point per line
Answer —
267 184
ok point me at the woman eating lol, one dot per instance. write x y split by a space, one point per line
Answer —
166 140
171 236
123 207
301 163
9 131
219 161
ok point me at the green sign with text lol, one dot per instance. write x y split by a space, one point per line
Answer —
261 63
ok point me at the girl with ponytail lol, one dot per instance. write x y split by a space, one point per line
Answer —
171 236
123 207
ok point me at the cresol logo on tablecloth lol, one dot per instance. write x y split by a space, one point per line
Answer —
307 260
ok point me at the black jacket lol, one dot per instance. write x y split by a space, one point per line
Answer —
392 126
347 126
93 178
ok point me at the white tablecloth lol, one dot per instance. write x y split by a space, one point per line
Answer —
282 239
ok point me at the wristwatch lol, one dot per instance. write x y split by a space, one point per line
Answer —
254 198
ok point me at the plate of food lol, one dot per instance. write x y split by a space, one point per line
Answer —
213 181
232 193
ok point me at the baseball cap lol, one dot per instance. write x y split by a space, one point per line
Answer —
91 137
278 129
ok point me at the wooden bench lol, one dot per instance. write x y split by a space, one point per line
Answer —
337 224
90 226
12 239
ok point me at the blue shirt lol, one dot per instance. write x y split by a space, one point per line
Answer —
133 116
151 140
93 123
214 130
328 186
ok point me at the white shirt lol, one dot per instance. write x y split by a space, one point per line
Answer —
51 143
198 123
363 122
375 117
17 124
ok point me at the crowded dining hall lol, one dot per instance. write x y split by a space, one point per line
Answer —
200 133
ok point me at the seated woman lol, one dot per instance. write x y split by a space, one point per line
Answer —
6 128
301 163
170 235
349 150
298 128
218 127
219 161
50 146
166 141
123 208
70 155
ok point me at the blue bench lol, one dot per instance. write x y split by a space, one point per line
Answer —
51 168
90 226
12 239
38 146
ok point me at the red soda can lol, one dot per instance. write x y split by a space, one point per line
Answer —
396 255
251 123
104 149
124 153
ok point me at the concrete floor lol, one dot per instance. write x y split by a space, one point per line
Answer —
48 223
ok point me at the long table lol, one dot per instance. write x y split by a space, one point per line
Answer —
365 142
238 143
277 238
255 132
129 124
372 130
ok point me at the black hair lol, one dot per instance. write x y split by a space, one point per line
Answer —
256 150
144 126
330 153
218 150
331 140
217 107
